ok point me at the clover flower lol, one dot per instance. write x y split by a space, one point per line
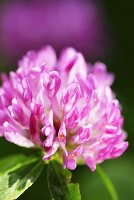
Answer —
65 106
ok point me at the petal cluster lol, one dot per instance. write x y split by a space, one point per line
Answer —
65 106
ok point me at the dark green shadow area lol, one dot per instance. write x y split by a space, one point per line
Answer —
39 189
120 172
7 148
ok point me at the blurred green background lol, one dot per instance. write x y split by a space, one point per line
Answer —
120 18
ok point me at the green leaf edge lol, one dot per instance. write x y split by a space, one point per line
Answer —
108 183
11 167
71 186
31 159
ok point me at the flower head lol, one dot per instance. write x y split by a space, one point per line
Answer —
64 106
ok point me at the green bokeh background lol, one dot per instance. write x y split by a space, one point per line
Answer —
120 18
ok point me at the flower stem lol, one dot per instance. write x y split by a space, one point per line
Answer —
107 182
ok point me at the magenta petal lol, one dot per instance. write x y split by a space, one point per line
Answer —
70 96
18 138
71 164
90 163
119 149
72 118
53 84
34 131
51 151
82 135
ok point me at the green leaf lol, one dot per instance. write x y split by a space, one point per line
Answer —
17 174
108 183
59 183
15 161
74 191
